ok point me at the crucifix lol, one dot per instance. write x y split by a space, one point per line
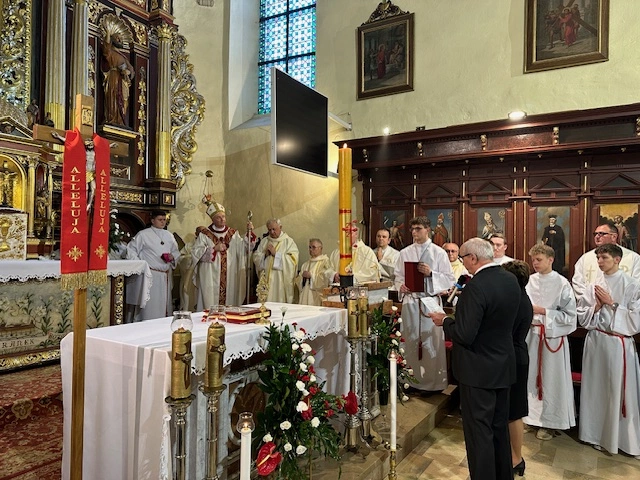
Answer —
84 124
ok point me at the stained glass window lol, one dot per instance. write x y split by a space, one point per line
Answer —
288 42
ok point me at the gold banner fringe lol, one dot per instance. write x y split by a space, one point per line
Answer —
73 281
97 277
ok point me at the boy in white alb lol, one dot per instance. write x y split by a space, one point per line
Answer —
550 387
610 389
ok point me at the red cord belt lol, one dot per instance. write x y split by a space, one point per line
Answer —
542 342
624 368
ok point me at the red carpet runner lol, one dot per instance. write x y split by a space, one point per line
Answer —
31 424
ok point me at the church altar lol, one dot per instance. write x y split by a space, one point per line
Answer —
128 375
35 313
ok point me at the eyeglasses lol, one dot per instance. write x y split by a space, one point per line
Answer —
461 257
451 251
600 234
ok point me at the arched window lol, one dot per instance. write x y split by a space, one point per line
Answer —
288 42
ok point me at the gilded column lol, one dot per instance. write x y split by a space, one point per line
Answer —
54 101
163 134
79 52
31 194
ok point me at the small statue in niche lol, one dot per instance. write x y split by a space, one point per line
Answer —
118 72
48 120
33 114
42 202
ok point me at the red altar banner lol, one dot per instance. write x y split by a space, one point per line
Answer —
74 234
99 241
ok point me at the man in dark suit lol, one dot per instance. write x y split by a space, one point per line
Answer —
484 359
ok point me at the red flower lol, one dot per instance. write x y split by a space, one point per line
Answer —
268 459
313 390
311 369
307 414
292 372
330 413
351 403
305 378
402 339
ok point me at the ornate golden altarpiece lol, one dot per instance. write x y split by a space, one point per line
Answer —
127 55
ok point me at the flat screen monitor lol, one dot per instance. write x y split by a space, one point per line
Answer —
299 125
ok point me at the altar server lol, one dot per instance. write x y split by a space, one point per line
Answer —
610 391
159 249
424 350
550 387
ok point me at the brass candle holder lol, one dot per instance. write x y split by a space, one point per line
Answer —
215 355
262 293
181 355
213 429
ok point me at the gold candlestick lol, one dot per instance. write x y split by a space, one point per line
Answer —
363 311
262 292
181 355
215 355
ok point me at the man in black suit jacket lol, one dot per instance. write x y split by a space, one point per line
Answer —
484 359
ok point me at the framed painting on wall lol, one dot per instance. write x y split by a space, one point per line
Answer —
559 35
441 225
385 57
490 221
553 229
396 222
625 217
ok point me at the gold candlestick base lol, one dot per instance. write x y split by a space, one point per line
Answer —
392 466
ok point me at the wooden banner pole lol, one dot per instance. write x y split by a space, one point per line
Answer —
77 385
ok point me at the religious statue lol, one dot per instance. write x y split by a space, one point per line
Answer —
7 179
91 167
48 121
33 114
118 72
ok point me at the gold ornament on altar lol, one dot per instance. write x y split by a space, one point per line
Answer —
262 292
13 235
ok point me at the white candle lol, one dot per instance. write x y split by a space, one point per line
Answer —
393 395
245 453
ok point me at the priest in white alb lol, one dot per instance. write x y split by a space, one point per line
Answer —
424 347
315 275
219 258
364 263
586 271
610 387
387 255
549 386
277 256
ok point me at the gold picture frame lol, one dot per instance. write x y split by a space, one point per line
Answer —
567 38
385 57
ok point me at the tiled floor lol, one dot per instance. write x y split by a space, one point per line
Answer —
441 455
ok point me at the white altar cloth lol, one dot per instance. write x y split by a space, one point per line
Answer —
26 270
128 376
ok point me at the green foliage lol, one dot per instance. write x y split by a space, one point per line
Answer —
389 337
296 417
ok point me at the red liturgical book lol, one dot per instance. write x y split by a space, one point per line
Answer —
413 279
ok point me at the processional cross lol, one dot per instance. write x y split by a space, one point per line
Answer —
79 187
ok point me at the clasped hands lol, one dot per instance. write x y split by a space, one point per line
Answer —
602 297
271 250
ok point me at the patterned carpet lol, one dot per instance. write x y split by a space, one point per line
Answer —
31 424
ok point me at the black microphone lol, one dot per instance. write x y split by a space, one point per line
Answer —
459 285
